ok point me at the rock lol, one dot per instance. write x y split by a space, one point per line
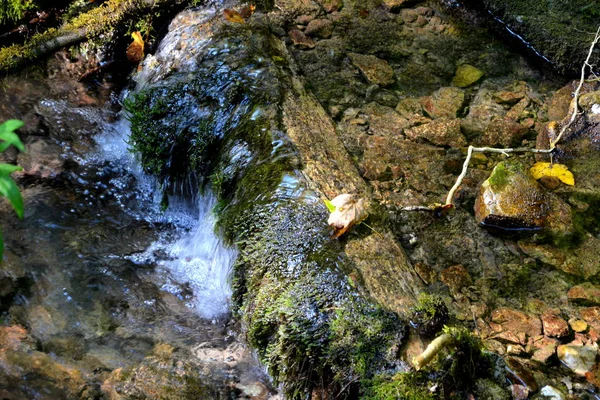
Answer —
587 100
456 277
409 108
396 5
578 325
507 97
554 326
511 200
516 322
503 133
43 159
384 121
580 359
319 28
482 111
330 5
376 70
591 315
519 374
466 75
543 348
441 132
558 106
586 293
300 40
552 393
445 102
519 392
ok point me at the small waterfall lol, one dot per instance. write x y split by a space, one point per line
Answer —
189 254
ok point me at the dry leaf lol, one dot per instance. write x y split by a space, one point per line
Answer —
135 51
247 11
233 16
349 211
559 171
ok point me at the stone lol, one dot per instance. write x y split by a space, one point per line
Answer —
441 132
503 133
586 293
554 326
579 359
578 325
330 5
396 5
587 100
508 97
319 28
375 70
384 121
43 159
456 277
409 107
519 392
552 393
445 102
519 374
426 273
482 111
591 315
300 40
543 348
511 200
558 106
466 75
516 322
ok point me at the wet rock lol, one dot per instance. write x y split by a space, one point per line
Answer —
396 5
300 40
554 326
517 323
375 70
456 278
441 132
591 315
43 159
578 325
330 5
466 75
558 106
552 393
379 261
510 200
319 28
586 293
519 392
587 100
384 121
409 108
482 110
519 374
543 348
503 133
580 359
445 102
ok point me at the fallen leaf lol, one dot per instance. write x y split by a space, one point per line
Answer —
349 211
247 11
233 16
135 51
559 171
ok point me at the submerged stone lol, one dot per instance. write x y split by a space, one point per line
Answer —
376 70
580 359
510 200
586 293
466 75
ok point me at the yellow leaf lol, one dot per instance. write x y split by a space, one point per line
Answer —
349 210
233 16
135 51
559 171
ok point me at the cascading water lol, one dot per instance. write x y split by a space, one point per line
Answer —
191 254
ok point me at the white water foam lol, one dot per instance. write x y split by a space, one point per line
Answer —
192 255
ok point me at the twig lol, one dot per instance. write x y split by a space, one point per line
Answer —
575 106
434 347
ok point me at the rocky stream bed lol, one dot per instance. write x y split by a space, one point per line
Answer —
203 266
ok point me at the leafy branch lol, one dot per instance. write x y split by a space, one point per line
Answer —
8 187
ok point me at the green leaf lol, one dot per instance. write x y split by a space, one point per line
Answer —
329 206
8 135
7 169
9 188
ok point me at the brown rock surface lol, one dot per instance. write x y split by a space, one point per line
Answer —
543 348
516 322
441 132
586 293
445 102
319 28
376 70
591 315
554 326
300 40
456 277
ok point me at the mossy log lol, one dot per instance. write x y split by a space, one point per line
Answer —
89 25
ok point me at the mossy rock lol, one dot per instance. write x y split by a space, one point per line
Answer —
466 75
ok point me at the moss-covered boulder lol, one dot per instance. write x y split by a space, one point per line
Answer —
242 119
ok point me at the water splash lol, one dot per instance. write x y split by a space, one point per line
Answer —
188 254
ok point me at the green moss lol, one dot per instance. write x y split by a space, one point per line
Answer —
430 314
401 386
13 10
